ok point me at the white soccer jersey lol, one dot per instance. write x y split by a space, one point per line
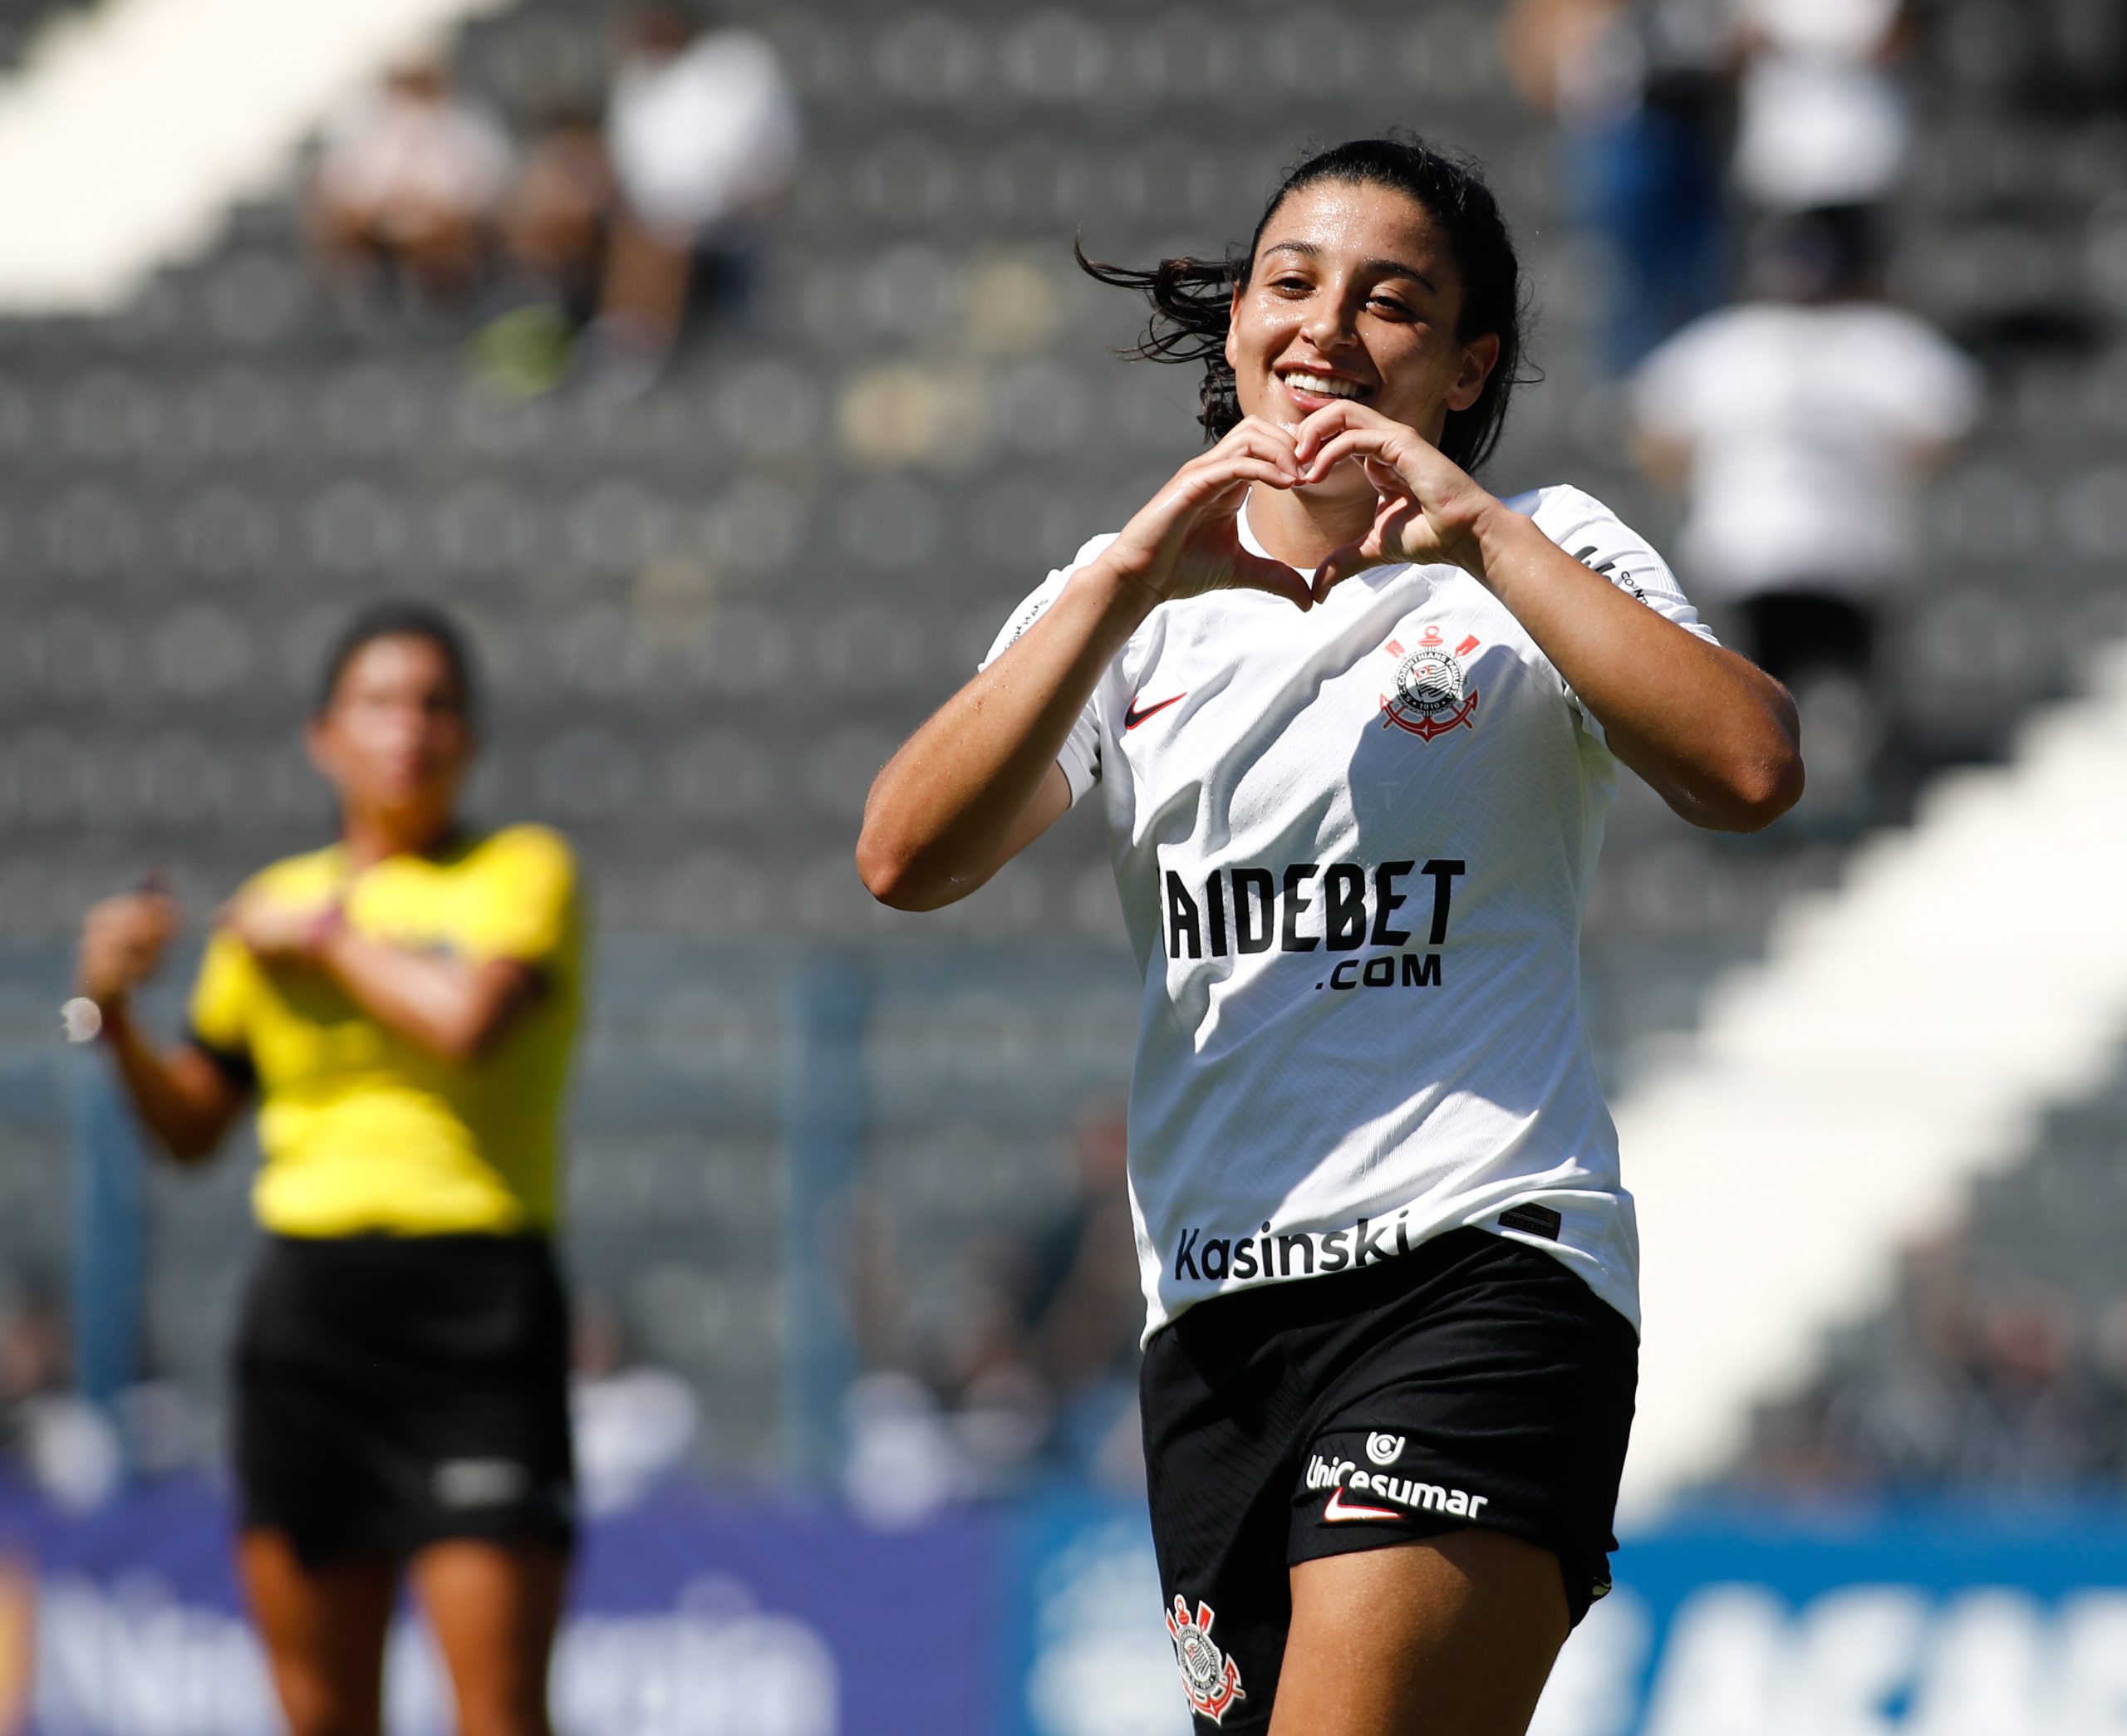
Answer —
1354 846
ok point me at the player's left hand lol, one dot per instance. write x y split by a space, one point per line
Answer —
1427 508
280 935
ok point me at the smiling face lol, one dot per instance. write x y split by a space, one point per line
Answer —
393 738
1353 292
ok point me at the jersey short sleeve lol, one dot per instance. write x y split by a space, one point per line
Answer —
1594 535
526 903
224 997
1079 757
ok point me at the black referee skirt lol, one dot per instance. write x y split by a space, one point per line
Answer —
393 1391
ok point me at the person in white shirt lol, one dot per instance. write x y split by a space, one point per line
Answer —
1823 121
702 126
410 177
1803 424
703 133
1355 721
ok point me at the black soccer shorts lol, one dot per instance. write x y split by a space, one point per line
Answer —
1471 1381
392 1391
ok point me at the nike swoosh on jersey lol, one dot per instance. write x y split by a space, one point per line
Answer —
1335 1507
1132 717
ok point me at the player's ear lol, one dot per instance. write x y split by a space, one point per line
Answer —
1480 356
1233 313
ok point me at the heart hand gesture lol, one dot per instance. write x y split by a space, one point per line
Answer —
1186 539
1426 508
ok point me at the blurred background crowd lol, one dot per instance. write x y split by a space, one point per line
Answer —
583 241
1738 168
732 449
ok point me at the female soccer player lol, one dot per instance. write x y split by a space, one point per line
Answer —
402 1003
1357 721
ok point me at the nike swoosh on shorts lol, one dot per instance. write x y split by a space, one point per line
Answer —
1335 1508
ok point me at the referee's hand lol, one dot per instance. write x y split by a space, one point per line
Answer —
123 940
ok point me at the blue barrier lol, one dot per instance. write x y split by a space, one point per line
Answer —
1948 1620
700 1616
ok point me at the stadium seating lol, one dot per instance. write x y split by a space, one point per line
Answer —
2001 1363
708 616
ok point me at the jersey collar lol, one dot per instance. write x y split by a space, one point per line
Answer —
1374 575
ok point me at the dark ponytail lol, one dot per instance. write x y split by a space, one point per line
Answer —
1192 299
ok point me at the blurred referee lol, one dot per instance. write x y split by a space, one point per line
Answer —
403 1004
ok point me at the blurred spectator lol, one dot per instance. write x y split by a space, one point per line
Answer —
635 1425
1084 1311
2108 1385
1643 91
904 1461
1975 1385
1802 424
556 226
703 134
965 1417
66 1447
555 222
2041 1420
1033 1370
981 1364
409 181
1824 125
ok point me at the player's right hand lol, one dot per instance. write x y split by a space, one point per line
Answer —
122 944
1186 539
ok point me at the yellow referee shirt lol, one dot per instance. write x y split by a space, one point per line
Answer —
363 1129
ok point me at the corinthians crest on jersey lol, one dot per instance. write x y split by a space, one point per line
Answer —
1433 694
1211 1678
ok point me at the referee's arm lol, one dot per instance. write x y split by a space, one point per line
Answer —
186 1097
456 1009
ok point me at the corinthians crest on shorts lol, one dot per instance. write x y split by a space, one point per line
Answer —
1211 1677
1433 694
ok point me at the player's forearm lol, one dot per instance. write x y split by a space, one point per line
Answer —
1714 735
187 1112
950 808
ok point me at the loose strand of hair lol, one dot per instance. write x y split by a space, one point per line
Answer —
1191 301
